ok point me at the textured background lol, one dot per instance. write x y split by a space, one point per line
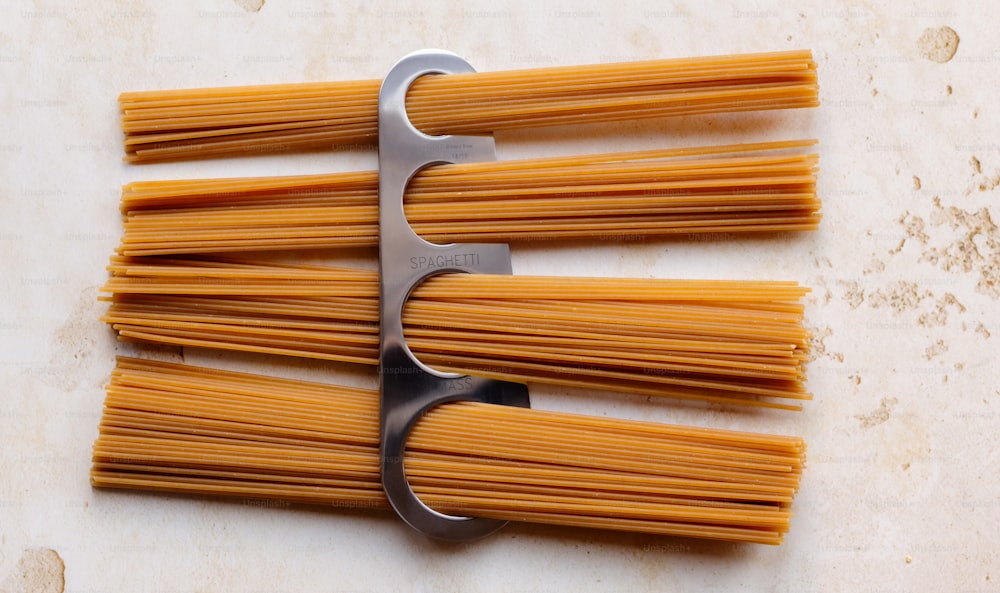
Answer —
901 492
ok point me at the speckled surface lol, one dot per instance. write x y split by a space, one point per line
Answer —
902 491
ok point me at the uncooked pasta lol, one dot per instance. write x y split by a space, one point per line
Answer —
185 429
714 340
685 193
211 122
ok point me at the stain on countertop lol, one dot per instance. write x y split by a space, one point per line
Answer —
938 45
39 570
880 415
974 246
818 348
900 296
250 5
936 349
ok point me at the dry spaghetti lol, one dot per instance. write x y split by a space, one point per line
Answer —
185 429
197 123
682 192
713 340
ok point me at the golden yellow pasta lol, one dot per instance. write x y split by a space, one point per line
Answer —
200 123
691 192
714 340
178 428
177 279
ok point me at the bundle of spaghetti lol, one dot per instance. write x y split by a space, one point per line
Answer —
186 429
197 123
721 341
682 192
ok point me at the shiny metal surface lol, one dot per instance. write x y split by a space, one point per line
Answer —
409 388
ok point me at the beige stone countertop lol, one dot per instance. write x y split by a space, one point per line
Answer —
902 488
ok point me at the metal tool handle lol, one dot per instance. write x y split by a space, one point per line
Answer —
409 388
